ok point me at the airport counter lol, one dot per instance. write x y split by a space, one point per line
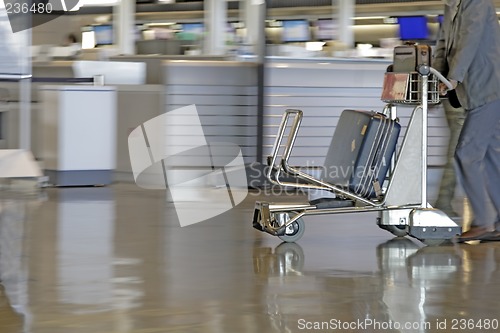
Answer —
225 95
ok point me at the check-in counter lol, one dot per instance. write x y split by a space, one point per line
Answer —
226 96
322 89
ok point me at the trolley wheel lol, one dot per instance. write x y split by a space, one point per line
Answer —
433 242
396 230
294 231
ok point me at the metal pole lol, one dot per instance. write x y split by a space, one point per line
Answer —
124 22
344 17
25 95
215 21
25 114
261 64
425 80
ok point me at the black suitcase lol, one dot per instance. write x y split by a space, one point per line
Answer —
408 57
360 152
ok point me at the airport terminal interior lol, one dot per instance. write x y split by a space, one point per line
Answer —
148 182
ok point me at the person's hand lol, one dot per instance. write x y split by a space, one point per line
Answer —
443 88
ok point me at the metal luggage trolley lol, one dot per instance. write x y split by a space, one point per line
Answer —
402 203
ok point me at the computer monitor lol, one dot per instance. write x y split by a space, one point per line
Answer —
103 34
413 28
296 31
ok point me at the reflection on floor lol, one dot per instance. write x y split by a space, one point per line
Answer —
115 260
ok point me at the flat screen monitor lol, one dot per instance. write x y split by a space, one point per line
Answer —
103 34
413 27
327 29
296 31
193 28
191 31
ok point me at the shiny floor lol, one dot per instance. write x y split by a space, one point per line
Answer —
115 260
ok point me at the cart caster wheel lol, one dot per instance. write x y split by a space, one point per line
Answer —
433 242
396 230
294 231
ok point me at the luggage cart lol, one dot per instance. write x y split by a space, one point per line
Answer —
401 200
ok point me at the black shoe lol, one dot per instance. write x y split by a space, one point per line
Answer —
474 233
493 236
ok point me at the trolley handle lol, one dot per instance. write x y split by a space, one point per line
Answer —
280 137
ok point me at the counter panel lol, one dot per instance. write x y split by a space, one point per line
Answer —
225 95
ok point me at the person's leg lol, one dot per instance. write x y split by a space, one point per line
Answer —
492 173
477 133
455 119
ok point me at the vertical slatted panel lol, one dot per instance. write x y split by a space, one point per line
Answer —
225 95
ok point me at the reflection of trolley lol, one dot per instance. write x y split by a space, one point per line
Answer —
401 196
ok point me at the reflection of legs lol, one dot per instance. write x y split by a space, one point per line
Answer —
455 119
8 315
476 135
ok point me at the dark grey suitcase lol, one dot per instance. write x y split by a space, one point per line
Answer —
360 152
408 57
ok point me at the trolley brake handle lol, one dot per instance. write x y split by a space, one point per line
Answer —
426 70
442 78
451 93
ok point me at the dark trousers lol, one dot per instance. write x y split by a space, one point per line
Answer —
478 162
455 119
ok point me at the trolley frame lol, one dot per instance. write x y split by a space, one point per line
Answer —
403 207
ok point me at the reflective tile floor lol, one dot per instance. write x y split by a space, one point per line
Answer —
115 260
